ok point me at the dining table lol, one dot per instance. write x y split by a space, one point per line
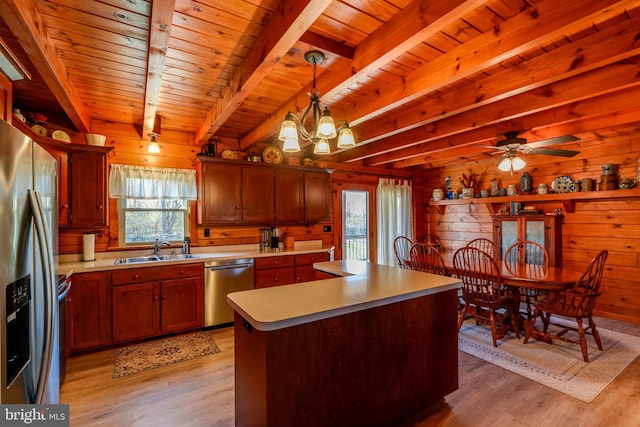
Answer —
520 277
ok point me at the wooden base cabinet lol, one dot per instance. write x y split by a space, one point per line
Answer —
304 270
152 301
543 229
88 311
274 271
376 367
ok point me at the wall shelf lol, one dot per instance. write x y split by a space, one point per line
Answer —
567 199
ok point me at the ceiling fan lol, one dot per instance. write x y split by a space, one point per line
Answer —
512 144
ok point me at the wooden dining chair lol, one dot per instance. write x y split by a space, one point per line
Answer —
576 303
532 256
433 240
402 249
482 290
426 258
485 245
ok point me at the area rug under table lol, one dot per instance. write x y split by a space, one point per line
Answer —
154 354
560 365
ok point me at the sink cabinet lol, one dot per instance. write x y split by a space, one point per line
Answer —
88 311
153 301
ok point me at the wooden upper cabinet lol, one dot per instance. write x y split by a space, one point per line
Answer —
261 193
88 189
289 188
5 98
317 196
220 193
62 158
258 194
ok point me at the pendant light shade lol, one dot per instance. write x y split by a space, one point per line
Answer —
345 137
322 147
153 146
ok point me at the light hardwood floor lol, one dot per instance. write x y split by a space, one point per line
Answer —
200 393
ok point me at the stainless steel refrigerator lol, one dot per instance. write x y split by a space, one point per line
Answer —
29 364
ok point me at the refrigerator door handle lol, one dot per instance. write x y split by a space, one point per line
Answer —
46 255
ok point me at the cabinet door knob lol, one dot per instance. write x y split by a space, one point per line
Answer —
181 272
65 206
136 276
164 297
155 297
275 279
99 206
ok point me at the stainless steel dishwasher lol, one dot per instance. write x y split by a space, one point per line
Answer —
221 278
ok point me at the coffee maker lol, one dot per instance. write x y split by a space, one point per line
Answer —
275 239
265 239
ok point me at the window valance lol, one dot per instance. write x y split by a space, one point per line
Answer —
144 182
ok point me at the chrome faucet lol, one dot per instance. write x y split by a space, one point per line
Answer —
159 244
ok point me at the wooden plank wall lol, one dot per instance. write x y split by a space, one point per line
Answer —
596 224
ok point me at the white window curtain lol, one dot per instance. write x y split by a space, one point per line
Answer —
395 216
143 182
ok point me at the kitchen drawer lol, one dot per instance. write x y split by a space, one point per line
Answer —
148 274
311 258
274 277
274 261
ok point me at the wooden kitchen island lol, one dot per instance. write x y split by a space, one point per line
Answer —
372 348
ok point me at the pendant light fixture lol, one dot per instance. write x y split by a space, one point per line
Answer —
153 144
322 128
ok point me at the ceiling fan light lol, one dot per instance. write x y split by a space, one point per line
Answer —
505 164
345 137
322 147
517 163
326 126
291 145
288 130
153 146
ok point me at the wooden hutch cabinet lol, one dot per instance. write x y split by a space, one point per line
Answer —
543 229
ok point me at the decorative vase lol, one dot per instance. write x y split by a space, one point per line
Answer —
526 183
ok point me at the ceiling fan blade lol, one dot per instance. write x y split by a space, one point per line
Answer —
551 141
551 152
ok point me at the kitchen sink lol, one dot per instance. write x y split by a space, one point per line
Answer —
131 260
136 259
178 256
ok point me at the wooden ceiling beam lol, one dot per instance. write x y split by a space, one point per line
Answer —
26 24
411 26
291 21
596 51
159 32
545 24
575 94
622 107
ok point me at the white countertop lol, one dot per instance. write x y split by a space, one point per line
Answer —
363 286
108 262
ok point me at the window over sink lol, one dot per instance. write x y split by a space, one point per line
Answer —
153 202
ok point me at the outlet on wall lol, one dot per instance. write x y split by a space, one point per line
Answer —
326 229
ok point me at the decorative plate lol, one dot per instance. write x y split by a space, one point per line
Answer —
39 130
563 184
307 161
272 154
229 154
61 135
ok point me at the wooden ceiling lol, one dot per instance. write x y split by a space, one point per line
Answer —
421 82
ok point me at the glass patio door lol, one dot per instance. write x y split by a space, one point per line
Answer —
355 225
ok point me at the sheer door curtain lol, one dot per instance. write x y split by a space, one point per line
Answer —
394 216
